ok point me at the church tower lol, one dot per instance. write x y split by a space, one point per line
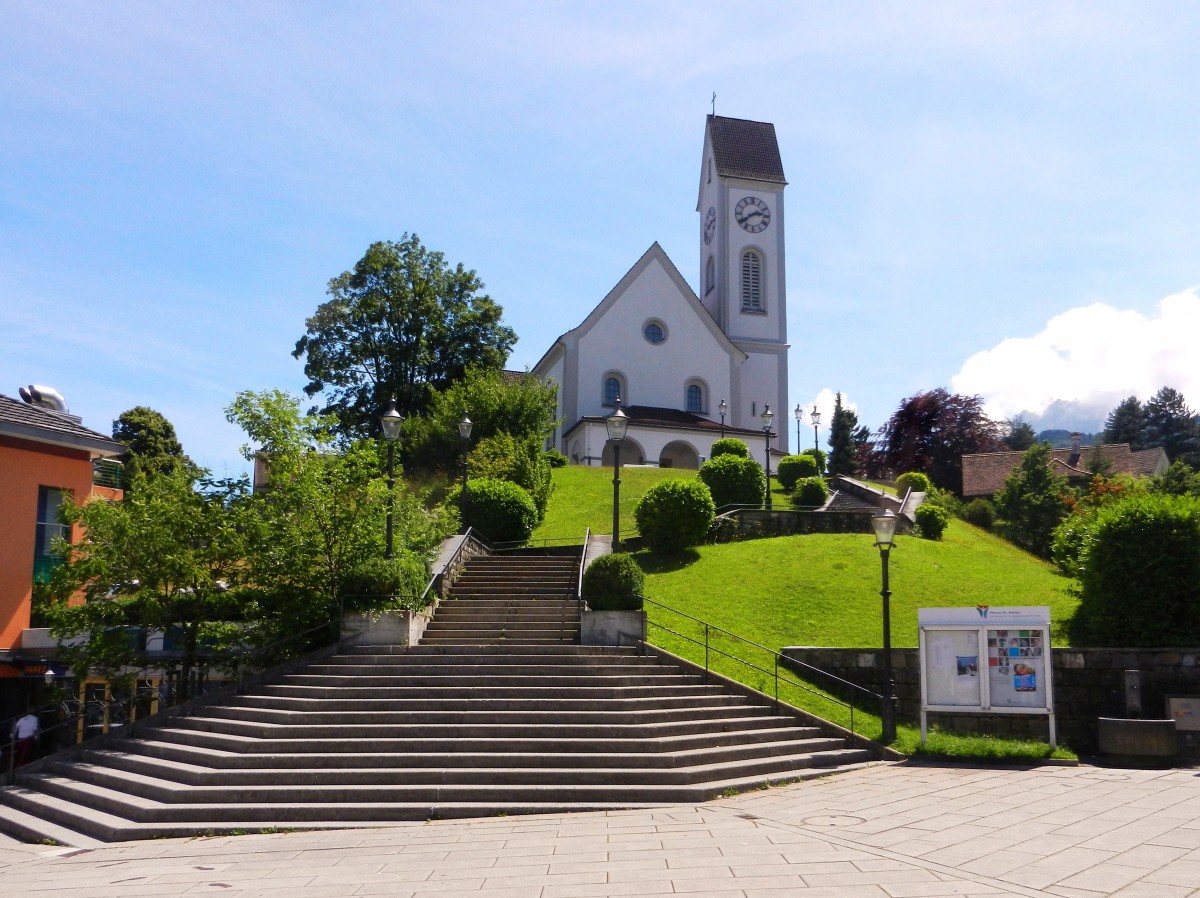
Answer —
742 272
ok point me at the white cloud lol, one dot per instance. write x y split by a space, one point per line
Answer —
1090 358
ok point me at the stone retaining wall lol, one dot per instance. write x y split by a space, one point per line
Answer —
1088 684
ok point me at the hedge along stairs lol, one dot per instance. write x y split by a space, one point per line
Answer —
499 711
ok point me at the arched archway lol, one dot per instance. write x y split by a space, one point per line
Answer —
631 453
679 454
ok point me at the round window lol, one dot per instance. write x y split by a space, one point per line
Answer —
654 332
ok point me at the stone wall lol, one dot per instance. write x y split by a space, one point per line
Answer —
1088 684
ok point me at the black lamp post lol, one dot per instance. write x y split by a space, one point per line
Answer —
767 416
885 537
799 413
616 424
464 431
721 408
390 423
815 418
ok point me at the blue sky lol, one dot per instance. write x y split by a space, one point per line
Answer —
996 198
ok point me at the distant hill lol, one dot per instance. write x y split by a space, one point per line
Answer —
1061 439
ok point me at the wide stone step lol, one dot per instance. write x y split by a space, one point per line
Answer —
574 682
537 754
552 700
766 736
483 728
536 690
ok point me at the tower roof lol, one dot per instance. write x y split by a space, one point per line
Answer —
746 149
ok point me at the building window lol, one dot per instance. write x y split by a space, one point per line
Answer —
613 389
695 398
49 528
710 275
655 332
752 295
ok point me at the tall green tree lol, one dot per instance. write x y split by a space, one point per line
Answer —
1126 424
153 445
1018 435
1171 424
402 323
842 454
1033 501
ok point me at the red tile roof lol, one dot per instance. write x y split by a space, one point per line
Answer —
984 473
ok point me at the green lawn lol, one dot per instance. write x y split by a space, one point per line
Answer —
583 498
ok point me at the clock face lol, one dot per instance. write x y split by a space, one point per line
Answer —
710 225
752 214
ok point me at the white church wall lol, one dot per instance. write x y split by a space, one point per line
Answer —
764 325
653 375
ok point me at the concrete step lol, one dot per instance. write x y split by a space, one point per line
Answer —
533 688
555 701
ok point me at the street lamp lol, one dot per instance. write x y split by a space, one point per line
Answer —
390 424
767 415
815 418
885 537
616 424
464 431
721 408
799 412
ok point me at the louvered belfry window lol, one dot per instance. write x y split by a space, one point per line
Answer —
752 299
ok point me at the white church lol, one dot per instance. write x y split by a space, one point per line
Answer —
689 368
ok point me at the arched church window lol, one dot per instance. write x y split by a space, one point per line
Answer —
695 398
710 274
752 294
613 389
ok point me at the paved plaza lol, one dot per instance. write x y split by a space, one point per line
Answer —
883 831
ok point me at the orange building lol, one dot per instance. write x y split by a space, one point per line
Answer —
46 455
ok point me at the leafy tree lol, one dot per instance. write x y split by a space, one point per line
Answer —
1126 424
402 323
1171 424
1033 501
501 457
1178 480
842 457
321 514
153 446
931 432
1019 435
168 557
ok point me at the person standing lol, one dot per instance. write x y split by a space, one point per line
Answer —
24 735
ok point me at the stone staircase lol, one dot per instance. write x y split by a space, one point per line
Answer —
490 715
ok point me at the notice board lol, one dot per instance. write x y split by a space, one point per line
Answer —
986 659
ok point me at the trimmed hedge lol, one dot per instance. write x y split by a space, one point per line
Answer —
980 512
932 520
733 480
913 480
811 492
613 583
500 510
792 468
729 446
675 514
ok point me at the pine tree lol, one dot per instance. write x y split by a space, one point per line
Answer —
1126 424
842 454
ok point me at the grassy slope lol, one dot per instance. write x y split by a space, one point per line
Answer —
583 497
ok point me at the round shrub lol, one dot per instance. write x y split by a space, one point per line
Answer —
500 510
793 467
378 583
913 480
818 456
613 583
675 514
980 512
733 480
1139 573
729 446
811 492
932 520
556 458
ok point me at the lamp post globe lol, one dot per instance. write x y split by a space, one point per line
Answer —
389 424
815 418
464 433
616 425
767 417
884 526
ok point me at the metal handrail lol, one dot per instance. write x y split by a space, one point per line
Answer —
587 538
710 648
